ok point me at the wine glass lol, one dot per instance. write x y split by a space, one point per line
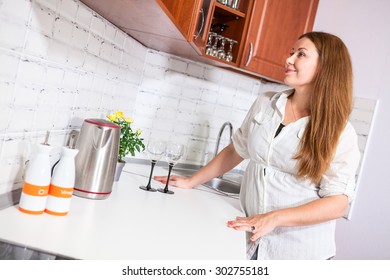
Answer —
156 150
209 46
229 54
221 50
173 153
214 47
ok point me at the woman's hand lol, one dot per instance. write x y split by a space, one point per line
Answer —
223 162
314 212
259 225
176 181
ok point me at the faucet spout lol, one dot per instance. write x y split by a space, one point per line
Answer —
228 124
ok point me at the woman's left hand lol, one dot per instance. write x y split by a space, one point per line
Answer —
259 225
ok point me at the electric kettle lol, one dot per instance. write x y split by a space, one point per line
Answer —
98 145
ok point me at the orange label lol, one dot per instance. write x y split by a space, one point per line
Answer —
30 212
35 190
60 192
56 213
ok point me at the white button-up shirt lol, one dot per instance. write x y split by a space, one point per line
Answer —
270 181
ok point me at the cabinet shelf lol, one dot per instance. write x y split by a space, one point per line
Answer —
221 62
227 11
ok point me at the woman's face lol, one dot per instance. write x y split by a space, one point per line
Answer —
301 66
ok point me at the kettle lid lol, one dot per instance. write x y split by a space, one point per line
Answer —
102 122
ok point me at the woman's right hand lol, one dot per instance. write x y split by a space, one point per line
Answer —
223 162
176 181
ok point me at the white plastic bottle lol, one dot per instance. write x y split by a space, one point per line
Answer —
62 184
37 181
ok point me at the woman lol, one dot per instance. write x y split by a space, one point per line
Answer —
303 156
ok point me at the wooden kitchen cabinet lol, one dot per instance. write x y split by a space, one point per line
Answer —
265 30
191 18
274 27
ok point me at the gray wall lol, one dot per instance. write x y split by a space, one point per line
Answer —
364 26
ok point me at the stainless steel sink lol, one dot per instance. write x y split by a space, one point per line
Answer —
229 186
223 185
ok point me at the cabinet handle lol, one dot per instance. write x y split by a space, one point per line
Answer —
201 27
250 54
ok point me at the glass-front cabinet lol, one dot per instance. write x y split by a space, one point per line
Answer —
227 29
200 34
250 36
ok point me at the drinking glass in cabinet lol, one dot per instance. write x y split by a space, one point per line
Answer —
214 48
221 50
209 46
229 54
155 150
234 4
224 2
173 153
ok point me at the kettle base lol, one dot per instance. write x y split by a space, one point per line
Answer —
90 195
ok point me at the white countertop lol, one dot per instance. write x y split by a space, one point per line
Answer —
134 224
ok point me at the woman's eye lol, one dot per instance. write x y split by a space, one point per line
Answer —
299 54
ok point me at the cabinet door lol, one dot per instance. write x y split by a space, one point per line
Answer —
200 31
275 26
190 17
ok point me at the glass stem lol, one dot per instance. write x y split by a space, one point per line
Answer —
169 175
148 186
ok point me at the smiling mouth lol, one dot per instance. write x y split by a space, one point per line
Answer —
289 71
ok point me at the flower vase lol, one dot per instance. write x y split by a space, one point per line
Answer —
118 171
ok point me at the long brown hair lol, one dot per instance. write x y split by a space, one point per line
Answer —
331 105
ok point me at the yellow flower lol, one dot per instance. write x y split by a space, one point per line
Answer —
129 142
119 114
112 117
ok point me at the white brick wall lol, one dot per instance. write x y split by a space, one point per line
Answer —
60 63
189 101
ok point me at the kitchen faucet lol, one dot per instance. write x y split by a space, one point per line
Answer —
220 134
219 138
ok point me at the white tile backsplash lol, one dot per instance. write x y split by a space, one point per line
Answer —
94 44
25 97
4 116
17 9
9 66
62 63
51 4
30 72
98 25
37 44
57 52
63 29
12 34
68 9
42 19
80 37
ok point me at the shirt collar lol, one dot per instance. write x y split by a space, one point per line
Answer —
280 100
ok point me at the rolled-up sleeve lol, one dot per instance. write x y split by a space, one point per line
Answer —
340 178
